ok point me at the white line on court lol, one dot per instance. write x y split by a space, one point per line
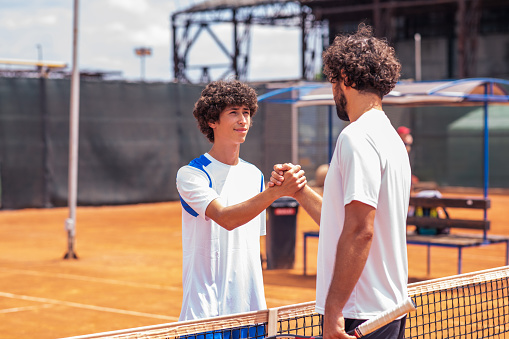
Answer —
92 279
25 308
85 306
116 282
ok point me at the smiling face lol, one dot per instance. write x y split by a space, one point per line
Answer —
233 124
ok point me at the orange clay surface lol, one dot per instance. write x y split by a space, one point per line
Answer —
129 269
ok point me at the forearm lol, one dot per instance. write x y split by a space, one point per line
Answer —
311 201
231 217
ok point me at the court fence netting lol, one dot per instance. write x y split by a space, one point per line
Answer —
471 305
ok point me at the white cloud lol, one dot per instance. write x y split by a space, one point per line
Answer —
116 27
49 19
133 6
153 35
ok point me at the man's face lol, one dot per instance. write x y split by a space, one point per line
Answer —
340 100
233 124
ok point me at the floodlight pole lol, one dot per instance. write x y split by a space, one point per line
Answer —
70 223
143 52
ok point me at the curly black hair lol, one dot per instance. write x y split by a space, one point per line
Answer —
363 62
218 95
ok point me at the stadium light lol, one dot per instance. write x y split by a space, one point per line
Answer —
143 52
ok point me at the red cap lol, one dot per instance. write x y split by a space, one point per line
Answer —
403 130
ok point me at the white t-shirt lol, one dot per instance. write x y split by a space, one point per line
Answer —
370 164
222 272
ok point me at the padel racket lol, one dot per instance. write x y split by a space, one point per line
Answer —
370 325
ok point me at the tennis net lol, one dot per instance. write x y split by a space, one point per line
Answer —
471 305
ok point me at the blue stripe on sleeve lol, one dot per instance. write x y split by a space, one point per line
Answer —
188 208
199 163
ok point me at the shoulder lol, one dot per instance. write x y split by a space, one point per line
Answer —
352 135
187 170
200 163
196 168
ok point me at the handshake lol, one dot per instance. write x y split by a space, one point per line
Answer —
287 178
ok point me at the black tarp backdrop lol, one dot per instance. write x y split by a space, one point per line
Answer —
22 143
133 137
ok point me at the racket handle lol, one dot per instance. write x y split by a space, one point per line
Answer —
383 318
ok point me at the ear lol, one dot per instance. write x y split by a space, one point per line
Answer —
344 78
212 124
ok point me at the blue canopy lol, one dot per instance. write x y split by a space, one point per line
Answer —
463 92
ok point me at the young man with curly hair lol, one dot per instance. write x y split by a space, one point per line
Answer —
223 209
362 258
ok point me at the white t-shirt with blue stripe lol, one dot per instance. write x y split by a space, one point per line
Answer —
222 272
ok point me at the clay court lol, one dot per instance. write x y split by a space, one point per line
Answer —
129 269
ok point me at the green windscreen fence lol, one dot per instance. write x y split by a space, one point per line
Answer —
133 137
448 145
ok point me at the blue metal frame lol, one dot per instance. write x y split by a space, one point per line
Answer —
485 98
460 248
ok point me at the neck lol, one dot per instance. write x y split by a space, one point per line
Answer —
360 103
227 154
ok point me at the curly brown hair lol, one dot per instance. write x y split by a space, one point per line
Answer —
217 96
363 62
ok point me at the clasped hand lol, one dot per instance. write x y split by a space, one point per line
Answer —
287 177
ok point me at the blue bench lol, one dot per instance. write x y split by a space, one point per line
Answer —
427 223
428 226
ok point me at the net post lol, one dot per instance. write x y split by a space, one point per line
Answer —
272 322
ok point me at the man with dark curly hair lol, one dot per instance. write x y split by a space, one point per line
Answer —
223 209
362 259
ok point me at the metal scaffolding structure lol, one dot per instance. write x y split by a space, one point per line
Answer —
190 24
459 21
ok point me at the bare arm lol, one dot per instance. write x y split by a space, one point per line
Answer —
311 202
307 197
351 256
231 217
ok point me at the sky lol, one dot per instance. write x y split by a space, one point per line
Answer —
110 30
